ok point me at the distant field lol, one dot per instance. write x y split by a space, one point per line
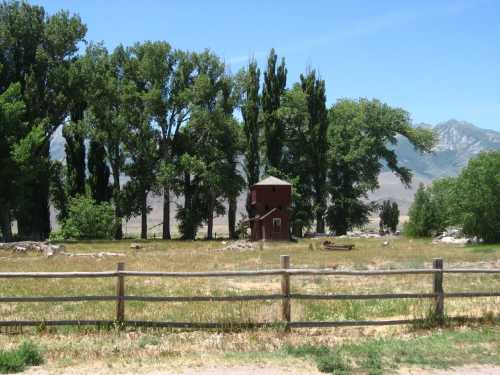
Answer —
209 255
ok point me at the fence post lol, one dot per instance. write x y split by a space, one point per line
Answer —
120 292
285 291
437 264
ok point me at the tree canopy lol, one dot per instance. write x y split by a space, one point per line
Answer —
150 119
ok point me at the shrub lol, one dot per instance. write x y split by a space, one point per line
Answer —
333 364
30 354
423 215
478 203
13 361
389 216
88 220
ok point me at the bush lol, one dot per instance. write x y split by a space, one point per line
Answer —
88 220
30 354
423 215
333 364
389 216
478 203
13 361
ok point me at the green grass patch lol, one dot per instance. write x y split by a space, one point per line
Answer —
374 357
12 361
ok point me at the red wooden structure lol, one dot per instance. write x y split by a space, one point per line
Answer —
271 200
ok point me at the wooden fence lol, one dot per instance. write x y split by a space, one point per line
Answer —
438 295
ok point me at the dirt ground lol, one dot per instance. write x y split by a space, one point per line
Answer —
467 370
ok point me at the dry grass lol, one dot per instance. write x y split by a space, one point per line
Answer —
183 347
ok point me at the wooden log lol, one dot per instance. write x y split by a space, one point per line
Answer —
50 323
56 275
285 291
437 288
120 293
272 272
361 296
57 299
261 297
471 294
199 325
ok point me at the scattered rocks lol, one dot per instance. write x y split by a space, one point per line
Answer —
93 255
240 245
454 237
135 246
45 248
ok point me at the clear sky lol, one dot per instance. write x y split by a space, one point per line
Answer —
437 59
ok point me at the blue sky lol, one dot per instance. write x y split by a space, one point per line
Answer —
437 59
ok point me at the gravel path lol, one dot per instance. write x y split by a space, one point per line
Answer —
467 370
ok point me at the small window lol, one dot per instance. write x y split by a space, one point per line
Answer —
254 196
277 225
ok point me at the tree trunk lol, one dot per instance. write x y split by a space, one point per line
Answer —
297 230
231 217
34 217
320 223
210 221
144 217
166 214
5 225
116 201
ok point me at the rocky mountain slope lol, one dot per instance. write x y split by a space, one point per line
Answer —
458 142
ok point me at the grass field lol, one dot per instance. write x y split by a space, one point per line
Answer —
138 346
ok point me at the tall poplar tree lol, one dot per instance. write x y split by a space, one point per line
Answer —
249 83
272 92
317 146
105 117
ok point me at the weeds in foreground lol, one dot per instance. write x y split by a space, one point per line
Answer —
12 361
375 357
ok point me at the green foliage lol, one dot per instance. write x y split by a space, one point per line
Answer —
327 360
360 135
317 145
476 195
333 364
443 195
423 215
30 354
37 52
248 82
13 361
296 165
99 173
88 219
154 113
11 130
272 91
389 216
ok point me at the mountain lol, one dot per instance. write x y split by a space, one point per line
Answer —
458 142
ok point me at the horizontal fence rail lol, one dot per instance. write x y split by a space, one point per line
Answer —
284 272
